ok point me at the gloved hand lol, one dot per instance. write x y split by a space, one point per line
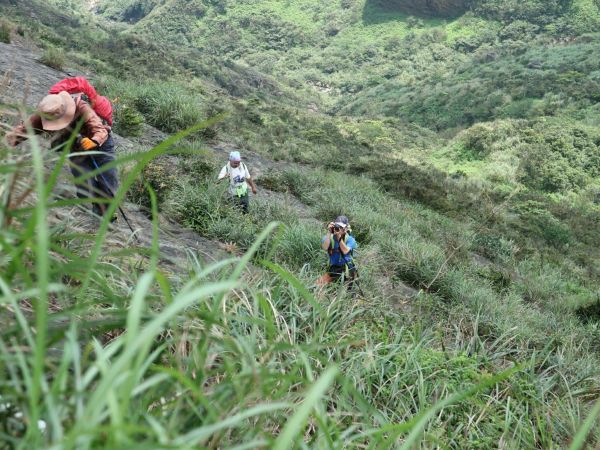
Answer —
88 144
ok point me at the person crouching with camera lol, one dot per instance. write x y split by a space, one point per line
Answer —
340 245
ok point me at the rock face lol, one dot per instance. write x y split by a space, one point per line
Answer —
24 81
425 8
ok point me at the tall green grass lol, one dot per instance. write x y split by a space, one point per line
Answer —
101 348
168 106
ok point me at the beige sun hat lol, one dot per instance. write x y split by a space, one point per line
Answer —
57 111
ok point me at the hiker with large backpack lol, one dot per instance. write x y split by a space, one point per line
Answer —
239 179
339 245
81 86
60 114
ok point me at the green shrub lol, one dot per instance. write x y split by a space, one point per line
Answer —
198 206
535 219
170 107
300 245
5 31
54 57
438 8
495 247
559 157
198 163
536 11
519 30
295 181
170 110
160 176
127 120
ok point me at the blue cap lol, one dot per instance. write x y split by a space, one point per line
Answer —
235 156
342 221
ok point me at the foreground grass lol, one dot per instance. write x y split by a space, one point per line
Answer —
100 349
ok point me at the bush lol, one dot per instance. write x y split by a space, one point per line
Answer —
197 162
559 157
519 30
295 181
535 219
54 57
170 107
5 31
535 11
127 120
299 245
159 175
438 8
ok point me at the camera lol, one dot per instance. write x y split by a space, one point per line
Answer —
335 228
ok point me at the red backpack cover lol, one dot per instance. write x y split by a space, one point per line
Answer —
80 85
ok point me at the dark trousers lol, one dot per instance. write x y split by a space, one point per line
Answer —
104 184
243 202
338 272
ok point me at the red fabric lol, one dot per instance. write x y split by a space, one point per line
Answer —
76 85
103 108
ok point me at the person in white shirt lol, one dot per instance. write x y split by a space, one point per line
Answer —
239 179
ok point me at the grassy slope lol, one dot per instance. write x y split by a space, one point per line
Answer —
439 75
477 318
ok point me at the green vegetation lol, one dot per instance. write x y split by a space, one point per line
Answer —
5 30
461 138
127 11
366 371
54 57
438 8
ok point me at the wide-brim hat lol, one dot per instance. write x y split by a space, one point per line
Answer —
57 111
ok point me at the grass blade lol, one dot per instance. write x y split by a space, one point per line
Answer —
296 423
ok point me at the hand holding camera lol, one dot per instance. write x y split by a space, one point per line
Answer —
336 230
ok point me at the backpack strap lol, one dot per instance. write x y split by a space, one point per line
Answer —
332 250
242 166
81 95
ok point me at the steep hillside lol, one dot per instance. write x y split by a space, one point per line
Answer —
476 322
526 60
346 47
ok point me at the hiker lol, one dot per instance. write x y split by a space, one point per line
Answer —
80 85
340 245
239 179
59 115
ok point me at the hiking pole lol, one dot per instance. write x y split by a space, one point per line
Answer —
357 284
113 195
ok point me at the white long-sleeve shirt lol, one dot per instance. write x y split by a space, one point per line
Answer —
237 176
